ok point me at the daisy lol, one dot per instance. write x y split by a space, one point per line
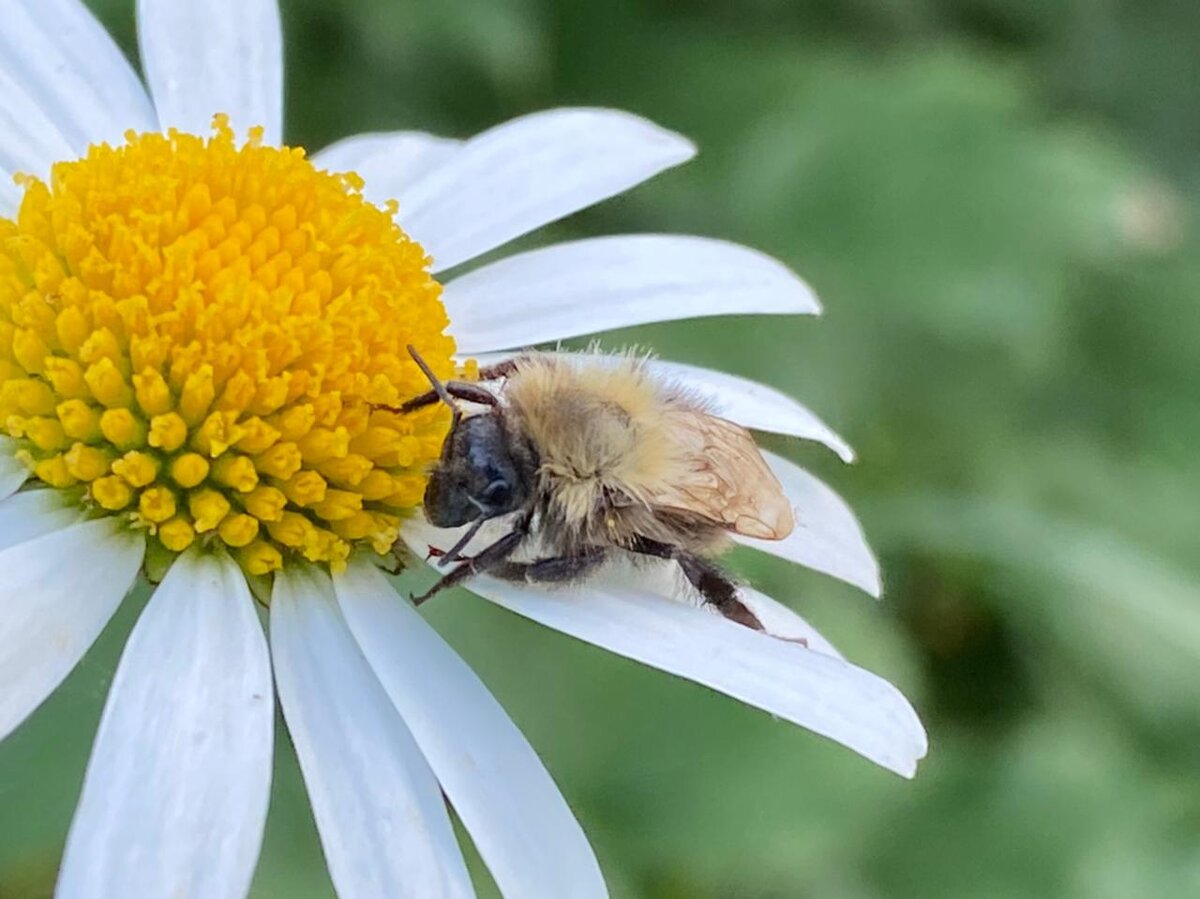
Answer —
197 324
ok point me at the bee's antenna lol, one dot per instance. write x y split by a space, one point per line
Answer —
438 387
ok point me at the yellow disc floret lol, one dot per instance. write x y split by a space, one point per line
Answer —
202 337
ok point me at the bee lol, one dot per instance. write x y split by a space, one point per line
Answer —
593 457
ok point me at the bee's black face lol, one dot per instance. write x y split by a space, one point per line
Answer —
483 473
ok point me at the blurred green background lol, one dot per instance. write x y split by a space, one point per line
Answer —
996 200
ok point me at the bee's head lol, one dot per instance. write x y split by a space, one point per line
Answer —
484 472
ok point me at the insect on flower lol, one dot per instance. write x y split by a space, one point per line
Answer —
202 372
593 456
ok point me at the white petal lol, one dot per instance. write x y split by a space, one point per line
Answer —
381 817
64 84
529 172
387 162
176 792
32 513
827 537
217 56
602 283
58 591
519 821
820 692
13 473
750 404
781 621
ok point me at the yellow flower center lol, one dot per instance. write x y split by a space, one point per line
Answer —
197 335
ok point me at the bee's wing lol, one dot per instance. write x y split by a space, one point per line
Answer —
722 477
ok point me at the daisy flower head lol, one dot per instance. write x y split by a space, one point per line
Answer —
203 340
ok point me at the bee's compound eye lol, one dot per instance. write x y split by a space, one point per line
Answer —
497 494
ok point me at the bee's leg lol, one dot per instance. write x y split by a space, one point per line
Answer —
551 570
485 560
454 553
717 589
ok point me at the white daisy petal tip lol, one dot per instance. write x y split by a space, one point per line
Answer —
633 616
875 588
815 690
672 147
676 148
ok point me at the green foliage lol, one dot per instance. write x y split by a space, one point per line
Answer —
995 199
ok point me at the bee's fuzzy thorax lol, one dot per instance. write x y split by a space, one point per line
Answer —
598 429
598 457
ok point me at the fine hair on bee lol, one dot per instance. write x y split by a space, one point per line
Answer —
592 456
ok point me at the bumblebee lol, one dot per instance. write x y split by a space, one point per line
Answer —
593 456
